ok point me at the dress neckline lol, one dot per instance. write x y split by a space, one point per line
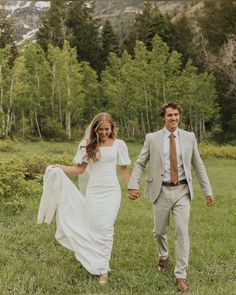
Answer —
108 145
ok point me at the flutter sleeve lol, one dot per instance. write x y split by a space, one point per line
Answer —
123 155
80 155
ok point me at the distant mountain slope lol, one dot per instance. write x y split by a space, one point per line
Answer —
26 14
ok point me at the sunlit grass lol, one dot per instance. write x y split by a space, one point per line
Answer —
32 262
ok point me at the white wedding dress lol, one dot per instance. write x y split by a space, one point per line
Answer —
85 224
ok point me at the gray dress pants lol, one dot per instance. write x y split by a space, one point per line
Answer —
175 199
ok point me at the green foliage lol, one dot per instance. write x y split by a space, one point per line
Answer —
52 29
109 41
218 21
218 151
142 84
83 30
217 53
13 187
147 24
22 179
8 145
6 29
35 166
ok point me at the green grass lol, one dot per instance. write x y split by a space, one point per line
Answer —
32 262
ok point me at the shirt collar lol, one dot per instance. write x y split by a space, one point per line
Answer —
167 132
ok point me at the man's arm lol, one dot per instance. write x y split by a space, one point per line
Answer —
140 164
200 170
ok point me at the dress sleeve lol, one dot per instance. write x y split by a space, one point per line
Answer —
123 155
81 152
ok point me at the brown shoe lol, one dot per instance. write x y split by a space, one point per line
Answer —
181 284
162 264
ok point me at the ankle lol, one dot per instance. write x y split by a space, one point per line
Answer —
102 278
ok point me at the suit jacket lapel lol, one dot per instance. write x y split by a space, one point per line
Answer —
160 143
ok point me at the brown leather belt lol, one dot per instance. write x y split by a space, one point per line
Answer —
182 181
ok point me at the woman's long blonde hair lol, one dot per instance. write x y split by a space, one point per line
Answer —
92 146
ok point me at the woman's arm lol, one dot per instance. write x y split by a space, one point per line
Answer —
79 169
125 173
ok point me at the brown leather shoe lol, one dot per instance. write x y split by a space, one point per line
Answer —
162 264
181 284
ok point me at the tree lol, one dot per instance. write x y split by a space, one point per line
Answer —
184 37
109 41
53 29
217 22
38 81
216 53
84 36
67 96
147 24
141 85
6 29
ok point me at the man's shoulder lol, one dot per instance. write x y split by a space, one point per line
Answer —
186 133
153 135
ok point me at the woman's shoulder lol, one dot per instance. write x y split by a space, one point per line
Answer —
120 141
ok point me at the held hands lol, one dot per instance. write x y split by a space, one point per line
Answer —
210 201
133 194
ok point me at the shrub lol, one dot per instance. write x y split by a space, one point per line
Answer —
217 151
7 145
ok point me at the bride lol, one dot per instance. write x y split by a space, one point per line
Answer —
85 224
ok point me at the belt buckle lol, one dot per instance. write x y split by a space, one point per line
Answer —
175 184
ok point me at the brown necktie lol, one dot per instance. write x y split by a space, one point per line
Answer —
173 161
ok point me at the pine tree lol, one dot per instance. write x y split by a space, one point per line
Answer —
218 22
53 29
6 29
146 25
84 33
109 40
184 37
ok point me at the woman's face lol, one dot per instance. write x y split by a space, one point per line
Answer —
104 131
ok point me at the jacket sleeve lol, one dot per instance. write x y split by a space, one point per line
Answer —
140 165
200 170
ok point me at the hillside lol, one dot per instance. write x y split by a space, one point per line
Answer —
27 14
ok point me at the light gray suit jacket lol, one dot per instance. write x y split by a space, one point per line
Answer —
153 153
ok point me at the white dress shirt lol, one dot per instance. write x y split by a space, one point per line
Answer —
180 166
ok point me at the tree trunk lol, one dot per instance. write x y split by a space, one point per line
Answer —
37 124
23 123
146 111
53 89
68 124
8 123
68 113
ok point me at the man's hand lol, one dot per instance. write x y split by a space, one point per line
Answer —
133 194
210 201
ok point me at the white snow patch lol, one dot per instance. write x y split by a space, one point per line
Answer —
12 8
27 4
18 5
42 4
28 36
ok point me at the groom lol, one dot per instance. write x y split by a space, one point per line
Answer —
170 153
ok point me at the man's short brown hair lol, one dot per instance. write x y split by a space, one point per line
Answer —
170 104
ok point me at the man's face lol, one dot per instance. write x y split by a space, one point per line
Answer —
171 119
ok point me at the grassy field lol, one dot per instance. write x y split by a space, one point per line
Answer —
32 262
